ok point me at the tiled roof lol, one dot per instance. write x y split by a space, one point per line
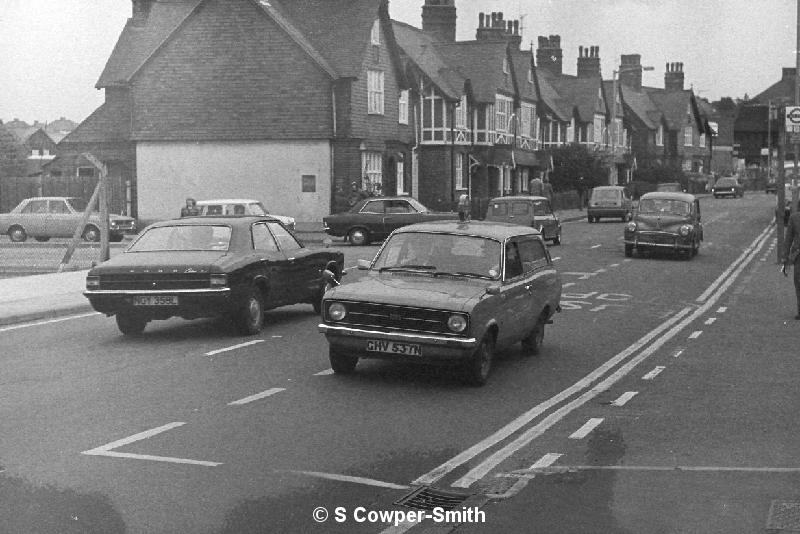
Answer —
581 93
673 104
550 97
104 125
523 63
781 92
422 50
482 63
641 105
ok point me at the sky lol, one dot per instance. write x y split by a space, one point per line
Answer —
52 52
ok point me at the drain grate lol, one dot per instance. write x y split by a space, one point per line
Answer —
784 515
427 498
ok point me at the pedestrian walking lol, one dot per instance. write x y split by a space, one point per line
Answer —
356 194
547 189
536 186
791 254
581 192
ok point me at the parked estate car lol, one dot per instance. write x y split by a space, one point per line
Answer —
374 218
234 267
533 211
609 201
448 293
665 221
728 186
239 206
44 217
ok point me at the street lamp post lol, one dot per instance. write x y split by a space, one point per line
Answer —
612 176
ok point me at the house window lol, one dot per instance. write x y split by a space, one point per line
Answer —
434 117
505 65
400 176
85 172
687 136
372 163
525 120
375 35
309 183
504 110
703 140
660 135
459 171
597 131
403 107
461 113
375 92
530 75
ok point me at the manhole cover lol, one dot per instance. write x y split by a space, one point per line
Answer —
426 498
784 515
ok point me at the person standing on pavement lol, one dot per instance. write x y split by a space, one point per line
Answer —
547 190
536 186
791 254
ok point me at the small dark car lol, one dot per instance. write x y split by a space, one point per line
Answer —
533 211
727 186
233 267
665 221
374 218
447 293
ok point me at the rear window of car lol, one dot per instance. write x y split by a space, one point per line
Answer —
726 182
500 209
605 194
183 238
519 208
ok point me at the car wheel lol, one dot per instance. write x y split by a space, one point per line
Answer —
358 237
17 234
91 233
591 219
628 251
130 325
532 343
480 365
322 290
250 317
557 240
342 364
42 238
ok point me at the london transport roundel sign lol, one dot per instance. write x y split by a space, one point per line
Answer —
792 117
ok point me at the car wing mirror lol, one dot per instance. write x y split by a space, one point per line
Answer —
329 277
363 265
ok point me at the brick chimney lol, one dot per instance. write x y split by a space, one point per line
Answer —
549 54
588 61
630 70
491 27
439 19
673 77
141 10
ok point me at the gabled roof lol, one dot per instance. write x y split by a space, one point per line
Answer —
103 125
673 104
481 62
523 63
641 105
781 92
581 92
422 50
550 97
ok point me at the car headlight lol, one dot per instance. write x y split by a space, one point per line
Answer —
337 311
631 227
92 282
457 323
686 229
218 280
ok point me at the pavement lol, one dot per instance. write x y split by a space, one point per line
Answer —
43 296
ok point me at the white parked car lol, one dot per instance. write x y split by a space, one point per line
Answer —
239 206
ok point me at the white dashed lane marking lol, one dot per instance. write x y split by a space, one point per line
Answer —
710 320
695 334
546 461
624 398
584 431
654 373
234 347
256 397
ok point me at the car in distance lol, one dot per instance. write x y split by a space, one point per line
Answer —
233 267
665 221
669 187
533 211
727 186
445 293
609 201
239 206
374 218
44 217
771 186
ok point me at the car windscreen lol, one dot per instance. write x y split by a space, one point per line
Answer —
441 253
78 204
659 206
183 238
726 182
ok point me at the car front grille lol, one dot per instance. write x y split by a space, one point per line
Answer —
389 317
154 281
657 239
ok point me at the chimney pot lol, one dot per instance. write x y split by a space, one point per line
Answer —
480 20
516 27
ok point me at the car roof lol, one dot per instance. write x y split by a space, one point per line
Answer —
614 187
687 197
228 201
493 230
519 197
51 198
230 220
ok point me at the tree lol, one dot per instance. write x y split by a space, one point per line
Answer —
12 155
570 163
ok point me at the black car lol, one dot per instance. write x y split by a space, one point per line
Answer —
728 186
374 218
233 267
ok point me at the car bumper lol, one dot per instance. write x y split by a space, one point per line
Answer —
614 211
192 303
433 348
660 240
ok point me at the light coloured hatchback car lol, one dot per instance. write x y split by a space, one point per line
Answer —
609 201
239 206
532 211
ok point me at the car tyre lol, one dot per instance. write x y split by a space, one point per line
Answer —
628 251
91 233
557 240
17 234
250 318
358 237
130 325
591 219
532 343
480 365
342 364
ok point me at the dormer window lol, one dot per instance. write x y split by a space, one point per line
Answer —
530 75
375 35
505 66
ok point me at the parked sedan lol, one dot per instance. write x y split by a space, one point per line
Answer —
233 267
239 206
447 293
665 221
374 218
728 186
46 217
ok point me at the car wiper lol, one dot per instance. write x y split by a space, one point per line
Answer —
462 273
408 267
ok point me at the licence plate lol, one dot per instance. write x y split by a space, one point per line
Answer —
393 347
155 300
